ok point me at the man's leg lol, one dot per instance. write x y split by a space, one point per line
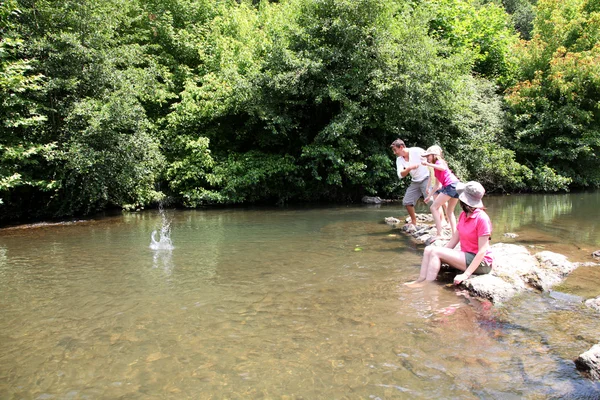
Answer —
414 191
412 214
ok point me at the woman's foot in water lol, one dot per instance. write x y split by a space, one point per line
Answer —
415 284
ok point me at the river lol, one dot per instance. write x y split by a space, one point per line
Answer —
287 303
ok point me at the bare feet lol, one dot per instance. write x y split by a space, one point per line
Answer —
434 238
415 284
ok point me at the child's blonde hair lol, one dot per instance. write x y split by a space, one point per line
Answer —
435 151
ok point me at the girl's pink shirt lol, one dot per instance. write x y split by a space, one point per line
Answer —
471 228
445 177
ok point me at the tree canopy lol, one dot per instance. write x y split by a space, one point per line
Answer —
125 102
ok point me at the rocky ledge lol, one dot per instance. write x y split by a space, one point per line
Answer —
515 270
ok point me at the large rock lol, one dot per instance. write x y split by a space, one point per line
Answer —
512 263
490 287
515 270
589 362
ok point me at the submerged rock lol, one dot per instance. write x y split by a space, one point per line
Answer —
392 221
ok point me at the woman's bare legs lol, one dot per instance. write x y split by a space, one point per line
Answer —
443 212
435 211
452 202
432 262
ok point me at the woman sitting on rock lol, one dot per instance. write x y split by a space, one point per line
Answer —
473 231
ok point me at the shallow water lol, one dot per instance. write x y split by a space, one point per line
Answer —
286 303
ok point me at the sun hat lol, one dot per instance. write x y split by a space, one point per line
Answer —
433 150
470 193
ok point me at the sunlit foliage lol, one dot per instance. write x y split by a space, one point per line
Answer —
555 107
121 103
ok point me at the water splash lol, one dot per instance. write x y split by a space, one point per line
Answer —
161 239
161 243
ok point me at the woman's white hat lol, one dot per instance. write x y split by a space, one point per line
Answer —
470 193
433 150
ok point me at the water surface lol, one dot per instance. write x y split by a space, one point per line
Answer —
286 303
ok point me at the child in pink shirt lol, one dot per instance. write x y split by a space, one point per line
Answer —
473 231
445 187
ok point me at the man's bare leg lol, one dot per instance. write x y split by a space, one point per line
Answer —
411 213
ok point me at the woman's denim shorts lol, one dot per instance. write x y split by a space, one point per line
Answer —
450 190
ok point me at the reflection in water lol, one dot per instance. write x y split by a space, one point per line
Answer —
163 259
567 219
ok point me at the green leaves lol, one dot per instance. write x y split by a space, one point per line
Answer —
103 102
554 109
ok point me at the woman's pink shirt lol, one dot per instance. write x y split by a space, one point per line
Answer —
471 228
445 176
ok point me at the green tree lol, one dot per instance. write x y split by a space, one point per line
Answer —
484 30
317 90
24 154
554 108
102 93
523 14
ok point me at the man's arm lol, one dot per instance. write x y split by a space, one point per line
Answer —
402 171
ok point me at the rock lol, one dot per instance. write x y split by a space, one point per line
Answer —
490 287
409 228
552 269
421 218
512 263
515 266
594 303
587 264
589 362
596 254
392 221
566 297
372 200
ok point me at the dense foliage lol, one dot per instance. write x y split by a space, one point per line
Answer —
123 102
555 109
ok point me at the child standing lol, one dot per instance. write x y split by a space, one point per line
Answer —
445 186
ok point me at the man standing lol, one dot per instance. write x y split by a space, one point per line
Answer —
408 161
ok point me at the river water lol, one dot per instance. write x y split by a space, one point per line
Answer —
286 303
